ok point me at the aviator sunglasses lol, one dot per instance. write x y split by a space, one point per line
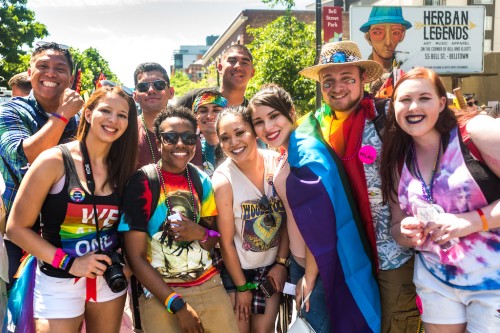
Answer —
172 138
107 83
158 85
265 206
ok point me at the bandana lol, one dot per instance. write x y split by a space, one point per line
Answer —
208 98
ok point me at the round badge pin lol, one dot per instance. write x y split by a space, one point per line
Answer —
367 154
77 195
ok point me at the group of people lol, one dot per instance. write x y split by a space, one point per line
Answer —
384 213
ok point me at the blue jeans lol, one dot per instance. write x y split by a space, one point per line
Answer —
317 316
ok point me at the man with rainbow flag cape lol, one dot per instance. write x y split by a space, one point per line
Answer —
326 214
351 122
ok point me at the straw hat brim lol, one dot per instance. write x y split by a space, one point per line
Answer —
373 69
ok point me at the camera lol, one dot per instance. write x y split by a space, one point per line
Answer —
113 275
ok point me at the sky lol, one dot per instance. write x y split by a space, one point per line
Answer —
129 32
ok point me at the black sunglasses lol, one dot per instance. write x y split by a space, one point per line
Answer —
42 43
472 103
158 85
107 83
172 138
265 206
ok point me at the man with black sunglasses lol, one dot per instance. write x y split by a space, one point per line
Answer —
31 124
152 93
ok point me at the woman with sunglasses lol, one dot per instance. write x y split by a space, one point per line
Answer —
251 221
168 242
329 265
69 285
454 228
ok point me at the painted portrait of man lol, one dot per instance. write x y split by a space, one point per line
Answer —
385 29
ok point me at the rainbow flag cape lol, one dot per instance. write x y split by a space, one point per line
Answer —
319 195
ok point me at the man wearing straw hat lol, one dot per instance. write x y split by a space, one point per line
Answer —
351 121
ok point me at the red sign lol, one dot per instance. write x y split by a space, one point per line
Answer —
332 24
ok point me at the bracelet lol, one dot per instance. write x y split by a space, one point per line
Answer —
486 226
58 116
247 286
170 300
209 233
58 258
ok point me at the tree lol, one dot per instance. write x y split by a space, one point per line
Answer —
18 29
280 50
91 63
182 84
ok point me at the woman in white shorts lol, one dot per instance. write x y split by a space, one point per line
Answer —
71 279
457 269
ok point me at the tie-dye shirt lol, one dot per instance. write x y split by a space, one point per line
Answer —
182 261
474 262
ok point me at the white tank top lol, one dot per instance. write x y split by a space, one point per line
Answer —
255 237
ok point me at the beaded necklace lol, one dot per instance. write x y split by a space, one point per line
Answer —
147 137
167 201
427 190
358 145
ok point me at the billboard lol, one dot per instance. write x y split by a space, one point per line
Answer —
448 40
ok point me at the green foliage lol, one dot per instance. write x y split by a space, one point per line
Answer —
287 3
91 63
182 84
18 29
280 50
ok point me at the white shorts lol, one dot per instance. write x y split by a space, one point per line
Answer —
66 297
443 304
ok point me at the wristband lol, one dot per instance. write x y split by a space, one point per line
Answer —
171 299
247 286
58 258
209 233
58 116
486 226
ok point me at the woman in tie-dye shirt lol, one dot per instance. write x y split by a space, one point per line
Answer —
445 204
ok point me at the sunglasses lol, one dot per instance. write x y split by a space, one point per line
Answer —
42 43
107 83
172 138
472 103
158 85
265 206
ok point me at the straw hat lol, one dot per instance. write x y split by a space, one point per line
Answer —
343 53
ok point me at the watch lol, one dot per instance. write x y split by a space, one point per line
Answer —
177 305
283 261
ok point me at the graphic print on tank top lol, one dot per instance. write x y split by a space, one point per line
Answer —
260 233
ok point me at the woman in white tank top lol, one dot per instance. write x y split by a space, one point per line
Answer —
251 221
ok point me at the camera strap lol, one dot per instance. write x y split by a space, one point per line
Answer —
87 167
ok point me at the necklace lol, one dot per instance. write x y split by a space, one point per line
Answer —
147 137
167 200
427 190
358 145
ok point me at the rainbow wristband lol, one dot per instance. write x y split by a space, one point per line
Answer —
58 116
484 221
58 258
170 299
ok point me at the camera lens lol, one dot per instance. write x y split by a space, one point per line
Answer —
115 278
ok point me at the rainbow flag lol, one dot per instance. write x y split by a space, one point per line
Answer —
319 195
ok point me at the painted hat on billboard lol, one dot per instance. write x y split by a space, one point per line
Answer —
385 14
341 54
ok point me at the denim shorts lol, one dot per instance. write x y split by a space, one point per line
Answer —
317 316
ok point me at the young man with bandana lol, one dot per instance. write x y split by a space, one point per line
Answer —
348 119
206 107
